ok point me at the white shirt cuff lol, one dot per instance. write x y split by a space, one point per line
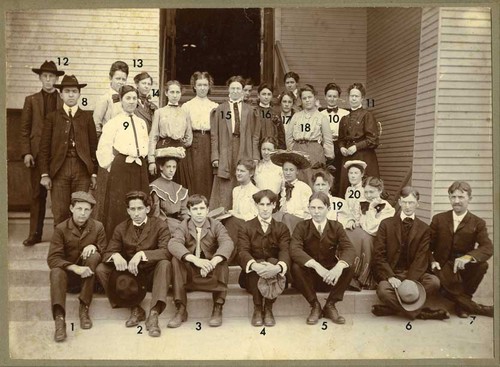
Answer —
283 265
249 264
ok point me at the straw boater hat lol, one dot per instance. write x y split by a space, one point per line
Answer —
125 289
355 162
48 67
69 81
411 295
171 152
298 159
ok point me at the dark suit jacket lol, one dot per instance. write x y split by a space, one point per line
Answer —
55 136
387 248
153 241
32 122
221 132
327 249
214 240
447 245
254 244
67 243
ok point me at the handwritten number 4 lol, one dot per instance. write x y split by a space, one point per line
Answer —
473 318
125 125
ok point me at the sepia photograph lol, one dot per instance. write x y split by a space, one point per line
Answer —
215 183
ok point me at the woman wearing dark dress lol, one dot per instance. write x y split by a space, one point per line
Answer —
122 151
269 122
358 136
198 155
145 108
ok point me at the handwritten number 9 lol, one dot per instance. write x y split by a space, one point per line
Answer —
125 125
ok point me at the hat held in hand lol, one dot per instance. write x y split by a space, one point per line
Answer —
125 289
411 295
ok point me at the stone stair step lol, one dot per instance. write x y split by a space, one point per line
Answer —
33 303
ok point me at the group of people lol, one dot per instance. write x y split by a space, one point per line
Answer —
182 192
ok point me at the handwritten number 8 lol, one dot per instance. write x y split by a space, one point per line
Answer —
125 125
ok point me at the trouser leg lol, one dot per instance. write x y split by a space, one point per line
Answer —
472 276
87 290
250 284
38 202
179 280
103 271
161 281
338 290
430 283
303 281
58 287
221 272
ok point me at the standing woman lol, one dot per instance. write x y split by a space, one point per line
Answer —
286 101
358 136
268 122
171 128
198 155
310 132
145 108
232 126
122 151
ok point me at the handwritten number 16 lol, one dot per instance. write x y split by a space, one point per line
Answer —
125 125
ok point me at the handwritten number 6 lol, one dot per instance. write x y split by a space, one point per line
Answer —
125 125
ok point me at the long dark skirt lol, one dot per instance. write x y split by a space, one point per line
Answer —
222 189
122 178
316 155
100 194
363 243
198 165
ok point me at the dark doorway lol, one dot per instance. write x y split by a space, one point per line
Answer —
224 42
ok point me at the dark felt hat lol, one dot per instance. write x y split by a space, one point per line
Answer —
48 67
83 196
125 289
219 213
210 283
299 159
69 81
411 295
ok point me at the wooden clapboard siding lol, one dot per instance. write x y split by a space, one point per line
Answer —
325 45
392 74
425 112
91 39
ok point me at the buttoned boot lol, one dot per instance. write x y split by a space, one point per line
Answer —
85 321
152 324
180 316
137 314
257 316
216 318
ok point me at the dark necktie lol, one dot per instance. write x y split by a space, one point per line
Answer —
115 97
236 119
407 224
173 105
135 136
138 229
288 190
71 130
334 109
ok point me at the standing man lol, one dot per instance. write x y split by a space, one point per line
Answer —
200 248
67 149
72 259
459 263
139 244
36 107
263 253
401 254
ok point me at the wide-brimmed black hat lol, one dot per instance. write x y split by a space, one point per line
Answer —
69 81
298 159
48 67
126 289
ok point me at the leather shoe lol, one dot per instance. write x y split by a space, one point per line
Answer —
315 314
484 310
216 318
60 334
180 316
268 315
31 240
432 314
461 312
257 316
152 324
85 321
382 310
137 314
331 312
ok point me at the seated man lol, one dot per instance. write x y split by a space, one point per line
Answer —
73 258
263 253
322 256
401 252
459 263
200 247
139 244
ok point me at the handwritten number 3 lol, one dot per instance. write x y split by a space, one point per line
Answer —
125 125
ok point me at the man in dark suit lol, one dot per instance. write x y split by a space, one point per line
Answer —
200 248
67 149
322 257
36 107
401 251
139 244
263 253
460 248
73 258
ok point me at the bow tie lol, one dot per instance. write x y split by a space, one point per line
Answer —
334 109
115 97
288 190
365 205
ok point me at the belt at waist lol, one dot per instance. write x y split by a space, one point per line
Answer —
304 141
202 131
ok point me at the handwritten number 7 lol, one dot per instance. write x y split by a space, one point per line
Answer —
125 125
473 318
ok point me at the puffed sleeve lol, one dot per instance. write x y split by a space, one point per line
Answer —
289 132
153 136
326 131
100 109
104 152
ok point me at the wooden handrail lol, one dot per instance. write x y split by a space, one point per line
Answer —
281 57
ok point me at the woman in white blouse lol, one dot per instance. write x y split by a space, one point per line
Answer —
267 174
122 151
362 233
198 155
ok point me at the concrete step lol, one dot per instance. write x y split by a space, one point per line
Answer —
17 251
33 303
31 272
